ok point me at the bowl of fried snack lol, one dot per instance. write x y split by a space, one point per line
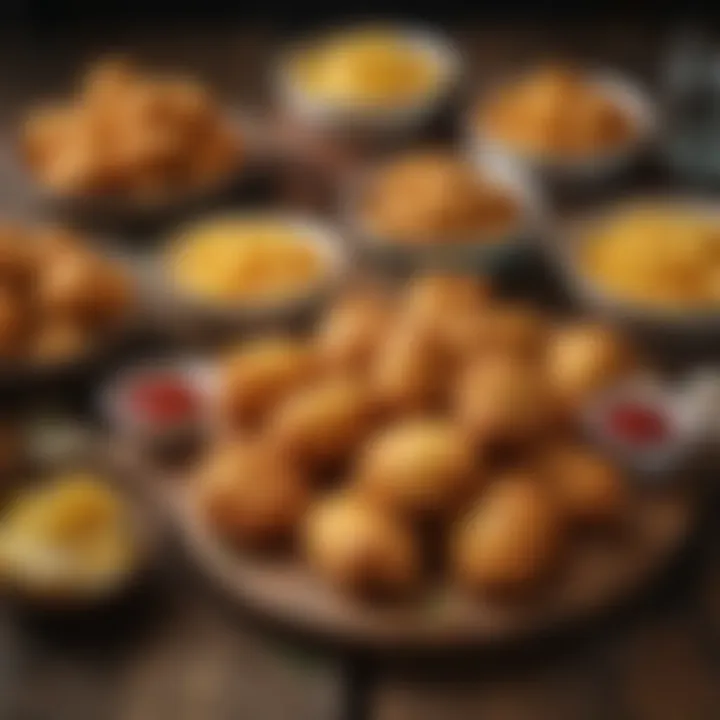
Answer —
369 80
436 209
62 303
415 446
566 123
130 143
651 262
250 266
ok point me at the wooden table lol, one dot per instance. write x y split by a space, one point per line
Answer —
183 654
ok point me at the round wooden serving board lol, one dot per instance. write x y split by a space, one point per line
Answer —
598 576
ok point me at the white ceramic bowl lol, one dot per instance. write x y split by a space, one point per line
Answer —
126 424
374 122
176 303
590 169
655 460
487 254
667 325
51 591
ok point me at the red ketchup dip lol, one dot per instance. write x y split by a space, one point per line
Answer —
163 399
638 423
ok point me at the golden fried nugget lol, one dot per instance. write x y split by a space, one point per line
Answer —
83 287
434 196
360 549
352 330
407 374
419 467
320 425
583 359
509 541
500 400
131 136
250 495
258 376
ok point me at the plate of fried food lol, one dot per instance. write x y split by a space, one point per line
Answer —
248 267
372 81
565 123
648 262
132 145
414 474
63 304
437 210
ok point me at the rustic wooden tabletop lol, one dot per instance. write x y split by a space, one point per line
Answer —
181 653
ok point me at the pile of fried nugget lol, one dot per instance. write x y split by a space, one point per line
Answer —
130 133
59 298
424 436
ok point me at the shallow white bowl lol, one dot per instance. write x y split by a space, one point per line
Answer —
174 302
667 325
655 460
354 120
590 169
487 254
58 594
126 424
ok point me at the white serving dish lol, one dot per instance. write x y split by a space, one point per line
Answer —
665 325
176 303
588 170
374 122
657 460
57 593
126 425
487 254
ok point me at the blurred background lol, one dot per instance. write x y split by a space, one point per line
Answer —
190 656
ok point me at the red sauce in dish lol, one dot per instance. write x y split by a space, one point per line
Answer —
638 424
163 399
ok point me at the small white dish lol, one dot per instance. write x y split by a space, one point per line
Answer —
701 397
588 170
175 302
665 326
354 120
651 457
124 420
488 254
52 587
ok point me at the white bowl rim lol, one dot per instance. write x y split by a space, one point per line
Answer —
566 242
516 181
197 370
685 431
629 94
313 230
431 41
